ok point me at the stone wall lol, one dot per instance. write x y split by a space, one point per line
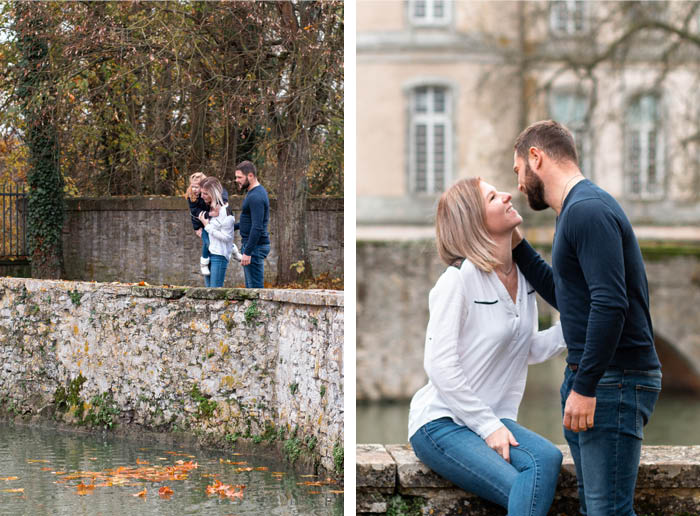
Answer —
223 363
388 477
151 239
395 277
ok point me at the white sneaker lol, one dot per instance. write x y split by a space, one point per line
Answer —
204 264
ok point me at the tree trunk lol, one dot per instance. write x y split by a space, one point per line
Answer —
293 262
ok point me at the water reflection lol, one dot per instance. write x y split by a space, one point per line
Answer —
675 420
36 460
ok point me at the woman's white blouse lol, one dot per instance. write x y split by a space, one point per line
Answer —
477 348
221 229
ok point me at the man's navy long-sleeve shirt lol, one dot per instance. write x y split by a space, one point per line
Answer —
598 283
255 215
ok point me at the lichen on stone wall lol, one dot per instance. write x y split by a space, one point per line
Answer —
216 362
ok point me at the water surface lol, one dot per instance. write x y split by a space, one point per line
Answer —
49 465
675 420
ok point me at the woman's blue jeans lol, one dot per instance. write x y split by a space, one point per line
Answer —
607 455
525 486
217 269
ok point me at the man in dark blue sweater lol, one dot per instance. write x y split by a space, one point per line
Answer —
598 283
252 224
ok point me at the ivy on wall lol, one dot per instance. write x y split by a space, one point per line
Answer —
36 90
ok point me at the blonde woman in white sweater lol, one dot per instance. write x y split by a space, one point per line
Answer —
481 336
220 227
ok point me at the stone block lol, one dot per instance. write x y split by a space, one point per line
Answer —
375 468
371 502
412 473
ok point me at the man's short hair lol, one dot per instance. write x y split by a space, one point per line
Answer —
550 136
247 167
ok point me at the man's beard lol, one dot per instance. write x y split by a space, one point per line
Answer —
534 190
244 187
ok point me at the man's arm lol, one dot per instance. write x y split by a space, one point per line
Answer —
537 271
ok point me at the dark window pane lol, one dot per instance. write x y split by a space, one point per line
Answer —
421 100
651 149
439 100
419 8
439 157
578 16
438 9
633 152
421 157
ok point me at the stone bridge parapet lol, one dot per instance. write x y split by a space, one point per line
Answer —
391 478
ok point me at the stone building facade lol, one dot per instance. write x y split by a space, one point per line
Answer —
443 89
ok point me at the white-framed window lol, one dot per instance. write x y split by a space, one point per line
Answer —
568 17
430 12
571 109
644 147
430 139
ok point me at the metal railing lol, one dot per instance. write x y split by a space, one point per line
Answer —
13 203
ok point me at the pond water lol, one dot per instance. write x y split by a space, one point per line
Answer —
45 471
675 420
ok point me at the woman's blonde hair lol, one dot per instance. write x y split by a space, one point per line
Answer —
460 228
213 188
197 177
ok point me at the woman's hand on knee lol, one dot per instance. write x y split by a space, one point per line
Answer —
501 440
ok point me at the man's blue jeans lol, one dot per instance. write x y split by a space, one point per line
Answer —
525 486
217 268
607 455
255 271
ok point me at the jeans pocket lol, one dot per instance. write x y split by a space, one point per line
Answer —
646 397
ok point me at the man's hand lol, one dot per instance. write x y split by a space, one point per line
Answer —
578 412
245 260
199 232
501 440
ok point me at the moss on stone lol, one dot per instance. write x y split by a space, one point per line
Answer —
242 294
661 251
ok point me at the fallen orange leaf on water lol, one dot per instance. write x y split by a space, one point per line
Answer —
9 478
18 490
83 489
261 468
225 490
139 461
141 494
336 491
240 470
309 483
165 492
34 461
46 468
314 492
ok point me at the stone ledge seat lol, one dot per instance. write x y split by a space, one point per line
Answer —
668 483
